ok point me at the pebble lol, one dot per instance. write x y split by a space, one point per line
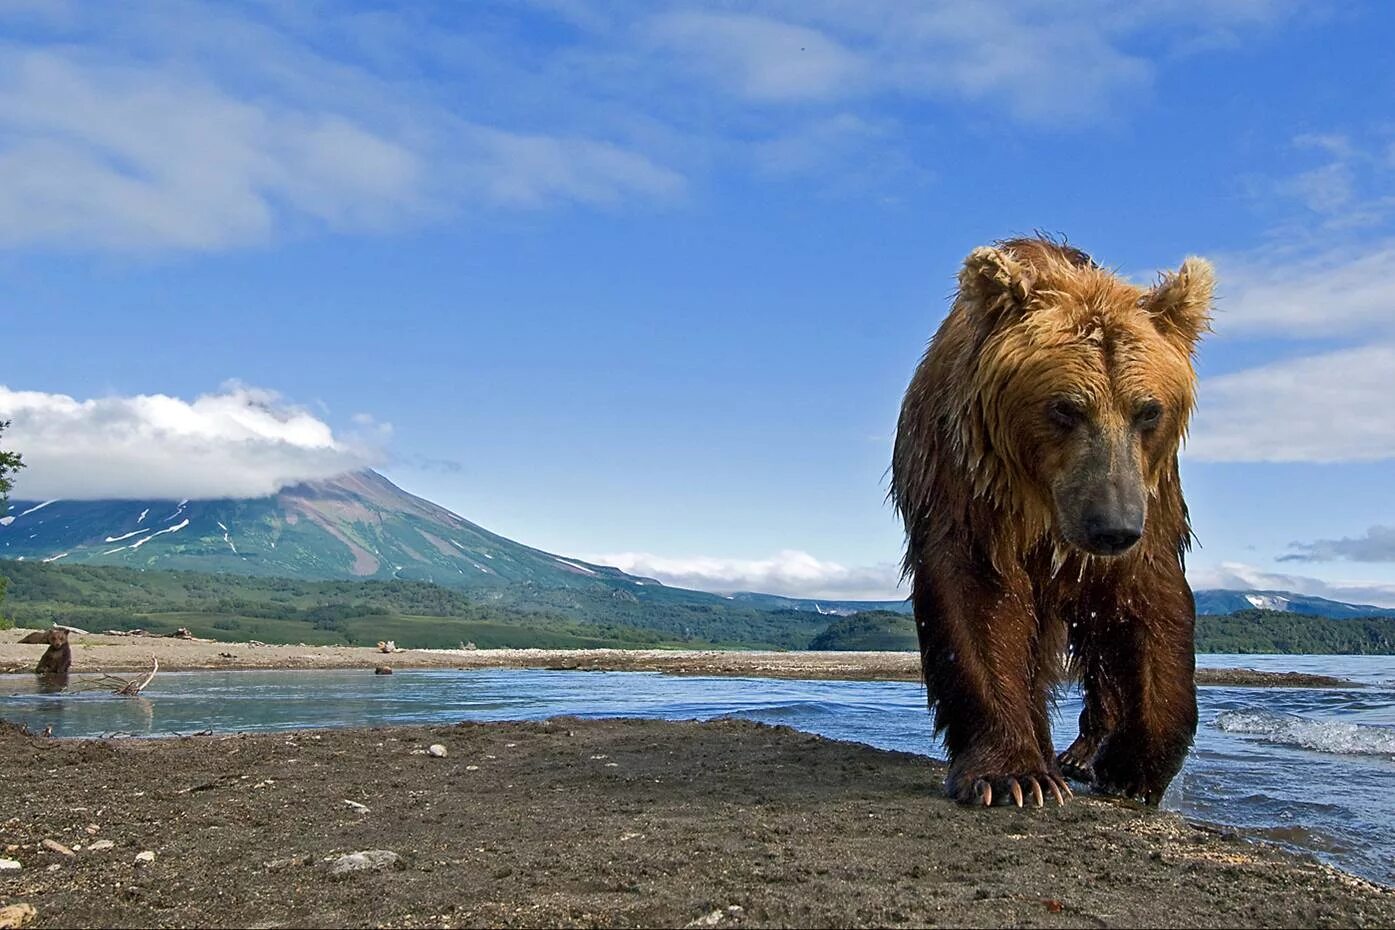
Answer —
382 670
145 857
437 750
358 808
100 846
276 865
368 860
57 847
10 865
16 916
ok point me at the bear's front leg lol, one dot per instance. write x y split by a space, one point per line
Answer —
1140 663
980 650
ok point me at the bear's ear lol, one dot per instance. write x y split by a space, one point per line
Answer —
995 281
1180 304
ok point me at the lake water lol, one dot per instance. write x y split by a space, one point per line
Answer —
1312 769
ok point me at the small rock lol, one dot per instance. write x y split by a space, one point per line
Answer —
100 846
358 808
54 868
16 916
369 860
10 865
145 857
57 847
437 750
276 865
92 829
707 920
382 670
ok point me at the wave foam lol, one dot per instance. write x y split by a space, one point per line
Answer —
1319 735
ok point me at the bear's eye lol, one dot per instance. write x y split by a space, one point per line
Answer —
1065 413
1149 415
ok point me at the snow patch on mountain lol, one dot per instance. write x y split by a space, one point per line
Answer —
112 539
173 529
38 507
1268 601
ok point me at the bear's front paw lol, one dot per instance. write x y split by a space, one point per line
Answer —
984 787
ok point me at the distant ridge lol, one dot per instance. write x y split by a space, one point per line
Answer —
362 526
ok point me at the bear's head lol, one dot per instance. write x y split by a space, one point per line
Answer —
1084 383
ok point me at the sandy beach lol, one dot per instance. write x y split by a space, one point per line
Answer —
602 823
100 653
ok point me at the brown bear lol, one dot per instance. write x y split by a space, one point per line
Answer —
1035 468
58 657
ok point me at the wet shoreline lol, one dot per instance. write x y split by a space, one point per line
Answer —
101 653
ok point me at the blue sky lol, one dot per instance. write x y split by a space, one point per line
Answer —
643 282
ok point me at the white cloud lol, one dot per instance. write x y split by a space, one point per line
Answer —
1377 545
535 170
1333 407
1334 293
186 126
791 573
1352 188
758 57
1039 60
133 157
240 442
1237 575
147 146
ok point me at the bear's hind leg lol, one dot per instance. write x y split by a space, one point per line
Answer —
1140 660
1078 760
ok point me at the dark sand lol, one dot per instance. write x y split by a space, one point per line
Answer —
97 653
591 823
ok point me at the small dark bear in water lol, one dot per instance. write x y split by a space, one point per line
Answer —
57 658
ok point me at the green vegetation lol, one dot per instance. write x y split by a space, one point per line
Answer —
10 462
871 631
1249 631
414 613
1271 631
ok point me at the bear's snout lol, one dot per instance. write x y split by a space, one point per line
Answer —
1111 521
1112 534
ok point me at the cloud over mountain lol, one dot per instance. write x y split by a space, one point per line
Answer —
1240 576
790 572
239 442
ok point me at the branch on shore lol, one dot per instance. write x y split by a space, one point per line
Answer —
124 686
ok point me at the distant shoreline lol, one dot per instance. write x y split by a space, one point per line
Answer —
95 653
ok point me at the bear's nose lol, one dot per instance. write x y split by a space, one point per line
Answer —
1110 535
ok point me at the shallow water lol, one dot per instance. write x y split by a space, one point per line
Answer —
1314 769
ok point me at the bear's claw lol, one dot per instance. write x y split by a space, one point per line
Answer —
1012 787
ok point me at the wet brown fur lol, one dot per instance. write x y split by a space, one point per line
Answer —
984 482
58 657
